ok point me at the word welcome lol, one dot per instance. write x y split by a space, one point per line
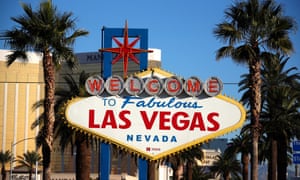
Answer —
153 86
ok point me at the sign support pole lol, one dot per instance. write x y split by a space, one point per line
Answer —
143 169
104 161
107 34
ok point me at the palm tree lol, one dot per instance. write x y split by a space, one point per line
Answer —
29 160
201 173
176 162
241 144
53 34
278 85
5 157
281 125
189 157
227 166
253 29
275 78
68 136
82 141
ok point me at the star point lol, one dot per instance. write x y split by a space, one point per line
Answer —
125 50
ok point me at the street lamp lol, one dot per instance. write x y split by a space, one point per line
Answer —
11 160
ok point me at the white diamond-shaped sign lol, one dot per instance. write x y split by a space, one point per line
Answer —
152 126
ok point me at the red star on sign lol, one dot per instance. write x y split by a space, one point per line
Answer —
125 50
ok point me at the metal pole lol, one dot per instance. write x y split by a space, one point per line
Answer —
36 169
143 169
104 161
11 160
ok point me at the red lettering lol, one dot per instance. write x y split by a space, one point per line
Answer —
92 119
213 86
163 119
215 123
114 85
193 85
173 85
197 122
132 88
183 122
153 85
109 119
148 122
179 121
126 121
94 84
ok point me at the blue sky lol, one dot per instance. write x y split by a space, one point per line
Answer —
183 30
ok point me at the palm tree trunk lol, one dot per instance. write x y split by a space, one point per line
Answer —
282 158
226 176
49 77
46 162
274 159
245 162
83 157
3 173
151 170
255 102
189 170
30 174
177 171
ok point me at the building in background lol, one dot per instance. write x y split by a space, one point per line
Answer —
22 85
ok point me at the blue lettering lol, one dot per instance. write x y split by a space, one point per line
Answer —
138 137
151 104
173 139
155 138
164 138
140 104
127 100
159 103
129 137
151 138
147 137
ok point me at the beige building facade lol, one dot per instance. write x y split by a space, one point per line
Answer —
21 85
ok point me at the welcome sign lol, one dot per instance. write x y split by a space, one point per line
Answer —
155 114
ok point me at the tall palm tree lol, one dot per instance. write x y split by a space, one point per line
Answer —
278 84
227 166
284 106
30 159
53 34
252 29
241 144
82 141
68 136
5 157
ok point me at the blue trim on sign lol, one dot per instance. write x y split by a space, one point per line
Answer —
109 33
